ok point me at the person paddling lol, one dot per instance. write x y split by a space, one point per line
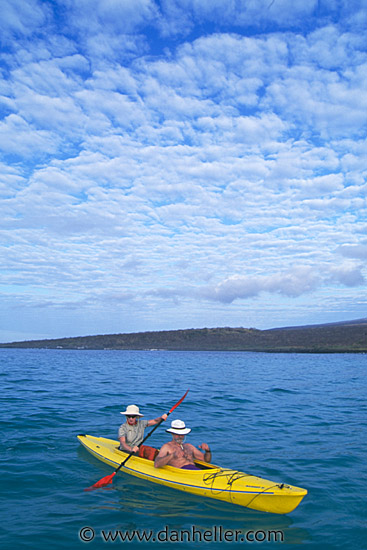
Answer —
179 454
131 433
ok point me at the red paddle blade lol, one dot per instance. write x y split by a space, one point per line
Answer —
178 402
101 483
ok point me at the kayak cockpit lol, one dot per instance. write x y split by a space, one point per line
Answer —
149 453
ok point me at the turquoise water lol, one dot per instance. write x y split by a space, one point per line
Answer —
298 419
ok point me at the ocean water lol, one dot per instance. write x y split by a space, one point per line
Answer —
298 419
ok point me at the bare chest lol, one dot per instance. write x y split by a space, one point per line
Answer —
183 452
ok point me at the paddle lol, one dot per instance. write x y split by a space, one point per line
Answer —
108 479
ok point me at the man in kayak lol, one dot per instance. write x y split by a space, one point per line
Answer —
179 454
131 433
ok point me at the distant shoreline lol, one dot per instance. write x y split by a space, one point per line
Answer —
343 337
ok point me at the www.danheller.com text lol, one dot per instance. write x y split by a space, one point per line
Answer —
192 534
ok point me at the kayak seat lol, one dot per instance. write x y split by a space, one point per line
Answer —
145 451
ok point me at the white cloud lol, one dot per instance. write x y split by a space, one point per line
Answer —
22 140
348 275
358 251
21 18
294 283
221 171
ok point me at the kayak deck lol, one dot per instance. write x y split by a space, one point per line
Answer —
210 481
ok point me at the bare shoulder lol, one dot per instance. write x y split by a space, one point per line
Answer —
165 447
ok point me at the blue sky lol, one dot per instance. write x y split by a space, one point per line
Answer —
181 164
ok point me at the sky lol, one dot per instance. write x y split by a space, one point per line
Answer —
181 164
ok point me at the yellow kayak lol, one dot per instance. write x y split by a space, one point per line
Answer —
210 481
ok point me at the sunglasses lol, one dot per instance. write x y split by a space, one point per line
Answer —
131 416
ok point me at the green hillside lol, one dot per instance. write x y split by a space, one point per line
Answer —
345 337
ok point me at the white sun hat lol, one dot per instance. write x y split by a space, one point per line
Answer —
132 410
178 427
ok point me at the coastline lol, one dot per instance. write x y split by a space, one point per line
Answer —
344 337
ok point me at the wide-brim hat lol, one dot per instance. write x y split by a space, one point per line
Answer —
178 427
132 410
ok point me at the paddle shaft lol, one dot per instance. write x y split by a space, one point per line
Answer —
150 433
108 479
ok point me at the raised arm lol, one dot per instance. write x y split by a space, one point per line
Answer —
157 420
206 455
